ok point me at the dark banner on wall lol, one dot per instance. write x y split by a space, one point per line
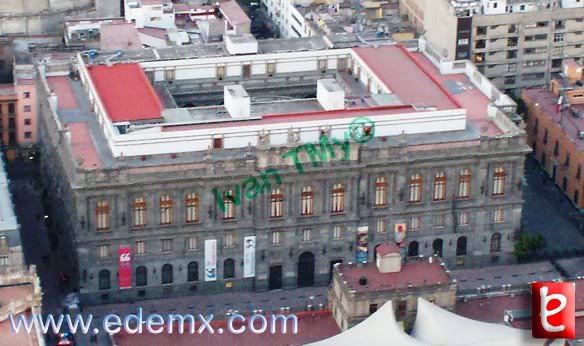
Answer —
125 267
362 253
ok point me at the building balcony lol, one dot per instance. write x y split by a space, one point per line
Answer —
534 43
498 57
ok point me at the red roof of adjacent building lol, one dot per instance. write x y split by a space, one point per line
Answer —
416 273
233 12
387 248
125 92
65 95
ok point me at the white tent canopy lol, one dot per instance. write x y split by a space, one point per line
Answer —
436 326
379 329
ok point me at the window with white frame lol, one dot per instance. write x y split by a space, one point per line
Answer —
192 243
167 245
104 251
338 198
415 188
381 226
463 218
229 240
192 206
415 223
277 237
439 220
306 235
337 232
380 192
306 201
439 186
276 203
498 215
140 247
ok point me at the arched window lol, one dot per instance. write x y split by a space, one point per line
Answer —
104 280
141 276
193 272
464 180
307 201
165 210
229 269
439 186
102 215
415 188
499 181
276 203
461 246
413 249
167 274
380 192
338 198
139 212
192 204
496 243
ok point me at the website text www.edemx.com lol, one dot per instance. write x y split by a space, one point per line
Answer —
155 324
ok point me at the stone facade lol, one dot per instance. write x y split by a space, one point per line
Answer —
74 195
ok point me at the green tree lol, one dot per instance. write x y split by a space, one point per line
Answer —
528 245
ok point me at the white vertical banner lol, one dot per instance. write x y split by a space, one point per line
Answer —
211 260
249 255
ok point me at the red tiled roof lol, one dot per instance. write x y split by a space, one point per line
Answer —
417 274
125 92
82 145
387 248
491 309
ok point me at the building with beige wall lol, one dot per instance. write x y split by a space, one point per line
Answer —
515 44
359 290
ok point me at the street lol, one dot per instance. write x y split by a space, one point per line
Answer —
549 213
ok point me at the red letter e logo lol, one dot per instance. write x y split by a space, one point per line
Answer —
553 314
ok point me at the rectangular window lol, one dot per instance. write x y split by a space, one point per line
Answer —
26 94
139 212
167 245
3 242
415 188
499 181
338 198
228 201
558 37
337 232
464 181
579 172
439 220
306 201
439 187
102 215
322 64
104 251
306 235
271 68
169 75
220 72
27 122
277 238
27 134
192 243
276 203
192 205
372 308
381 226
165 210
4 261
463 218
217 143
140 247
415 223
380 192
498 215
27 109
229 240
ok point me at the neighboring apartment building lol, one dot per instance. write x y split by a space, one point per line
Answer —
372 20
555 129
358 290
18 118
145 159
515 44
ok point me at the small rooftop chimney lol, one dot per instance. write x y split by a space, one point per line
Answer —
237 101
330 94
388 258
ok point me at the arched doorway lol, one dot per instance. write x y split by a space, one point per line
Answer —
305 270
437 246
461 246
413 249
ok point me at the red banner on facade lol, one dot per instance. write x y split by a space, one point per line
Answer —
125 267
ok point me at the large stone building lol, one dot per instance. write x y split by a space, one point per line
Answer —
514 43
176 158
